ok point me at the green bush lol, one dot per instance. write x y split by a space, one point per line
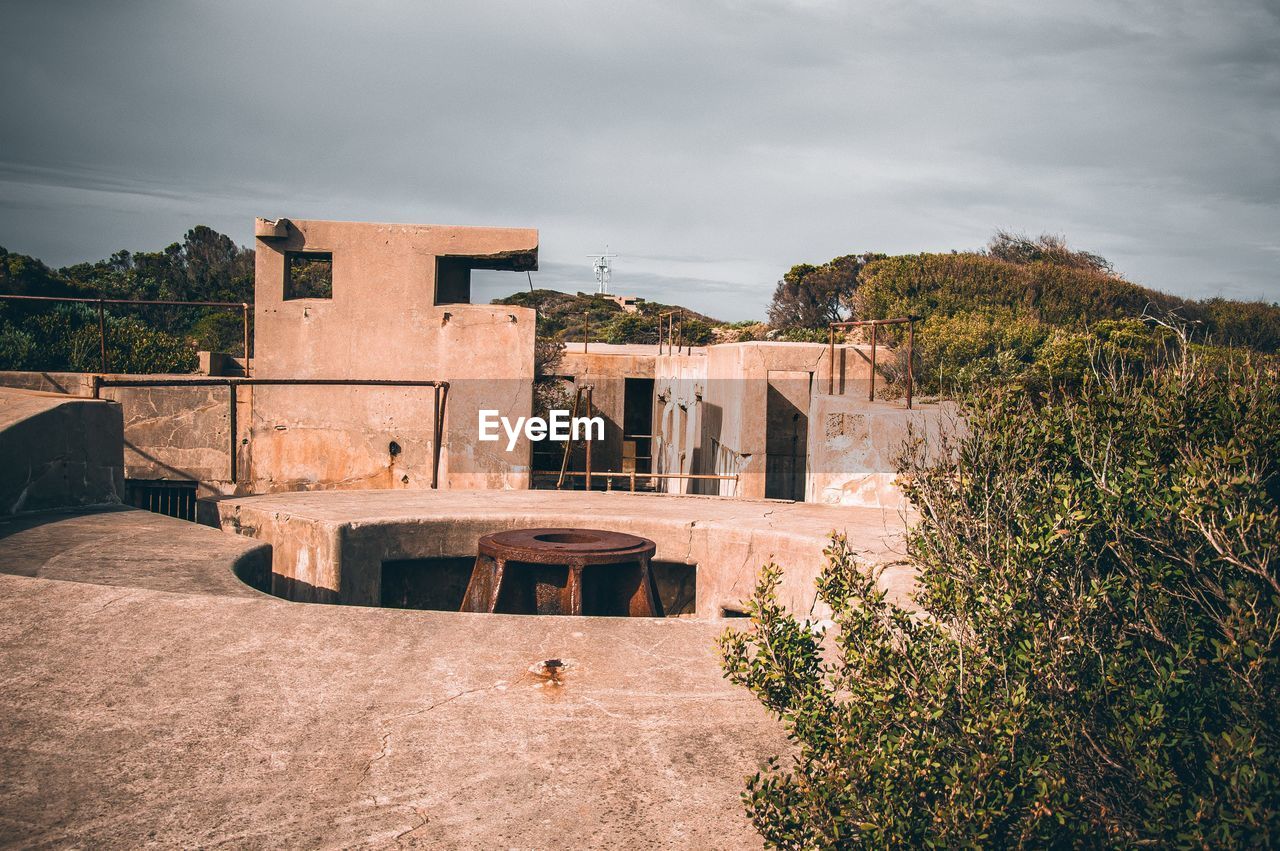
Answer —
66 339
1095 658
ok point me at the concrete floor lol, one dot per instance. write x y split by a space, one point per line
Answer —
216 716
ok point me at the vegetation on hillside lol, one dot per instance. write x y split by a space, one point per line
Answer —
1097 657
1025 309
573 318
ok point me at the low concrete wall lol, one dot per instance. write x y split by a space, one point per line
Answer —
291 437
57 452
854 446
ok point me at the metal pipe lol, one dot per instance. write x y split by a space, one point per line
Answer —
568 444
598 473
231 425
854 323
222 380
102 334
831 361
911 346
441 396
152 302
589 441
871 395
245 306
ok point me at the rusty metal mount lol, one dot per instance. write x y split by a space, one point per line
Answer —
576 550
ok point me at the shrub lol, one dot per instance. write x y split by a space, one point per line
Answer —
1095 658
67 339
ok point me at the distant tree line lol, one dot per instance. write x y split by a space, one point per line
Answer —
1022 307
205 266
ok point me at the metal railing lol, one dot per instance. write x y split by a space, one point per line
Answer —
632 475
242 306
875 324
440 399
581 401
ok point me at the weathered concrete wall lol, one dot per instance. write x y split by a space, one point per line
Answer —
57 452
606 368
678 420
854 446
169 432
382 322
732 397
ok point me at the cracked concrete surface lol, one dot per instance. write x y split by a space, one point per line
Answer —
147 697
147 717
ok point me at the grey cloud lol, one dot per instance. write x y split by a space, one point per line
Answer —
719 143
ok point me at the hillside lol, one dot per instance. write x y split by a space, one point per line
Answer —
568 317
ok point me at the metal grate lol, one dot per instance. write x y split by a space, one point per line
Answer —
171 497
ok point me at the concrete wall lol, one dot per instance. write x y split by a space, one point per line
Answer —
854 445
57 452
606 368
382 322
730 388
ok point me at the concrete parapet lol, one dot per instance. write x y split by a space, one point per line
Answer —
58 452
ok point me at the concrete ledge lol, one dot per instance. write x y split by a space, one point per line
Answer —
58 452
128 548
329 546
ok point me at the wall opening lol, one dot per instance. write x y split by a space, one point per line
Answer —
453 280
786 434
439 584
170 497
637 425
308 274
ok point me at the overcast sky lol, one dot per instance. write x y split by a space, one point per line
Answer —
711 144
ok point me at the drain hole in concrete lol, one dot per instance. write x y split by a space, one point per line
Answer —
551 670
567 538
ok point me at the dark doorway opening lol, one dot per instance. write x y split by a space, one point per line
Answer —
439 584
786 434
637 426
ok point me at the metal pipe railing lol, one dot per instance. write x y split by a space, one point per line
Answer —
580 394
242 306
875 324
440 398
610 475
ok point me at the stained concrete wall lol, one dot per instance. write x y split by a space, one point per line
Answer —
57 452
730 389
168 432
606 368
382 322
854 446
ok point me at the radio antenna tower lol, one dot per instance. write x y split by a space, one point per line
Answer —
603 269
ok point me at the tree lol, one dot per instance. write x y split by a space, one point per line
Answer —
1047 248
1096 657
813 296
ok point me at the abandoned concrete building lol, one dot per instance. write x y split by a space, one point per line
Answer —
339 462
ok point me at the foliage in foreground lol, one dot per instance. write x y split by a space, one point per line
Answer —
1095 662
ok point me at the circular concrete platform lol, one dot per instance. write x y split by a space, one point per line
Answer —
209 716
329 546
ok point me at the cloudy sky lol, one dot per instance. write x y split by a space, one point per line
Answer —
711 144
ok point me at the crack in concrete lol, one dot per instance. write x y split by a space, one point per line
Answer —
425 820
